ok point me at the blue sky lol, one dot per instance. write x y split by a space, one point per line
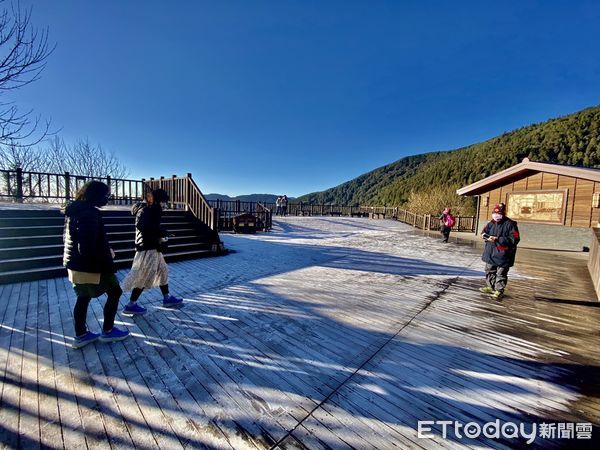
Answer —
298 96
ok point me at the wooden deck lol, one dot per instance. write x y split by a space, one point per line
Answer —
327 332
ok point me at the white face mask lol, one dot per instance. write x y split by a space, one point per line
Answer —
497 217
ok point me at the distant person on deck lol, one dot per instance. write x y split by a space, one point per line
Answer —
278 206
446 223
89 262
501 237
284 205
149 268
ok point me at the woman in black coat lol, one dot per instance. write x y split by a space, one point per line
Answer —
149 268
89 261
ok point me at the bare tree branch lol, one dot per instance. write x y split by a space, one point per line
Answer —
83 158
24 50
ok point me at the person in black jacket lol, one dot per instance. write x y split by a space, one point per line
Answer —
149 268
89 261
501 237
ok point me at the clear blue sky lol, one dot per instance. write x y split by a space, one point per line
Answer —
298 96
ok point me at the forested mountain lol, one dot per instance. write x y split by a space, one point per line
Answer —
429 180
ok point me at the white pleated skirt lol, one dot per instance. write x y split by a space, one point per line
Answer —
148 270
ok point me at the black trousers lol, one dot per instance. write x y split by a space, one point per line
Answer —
445 233
110 311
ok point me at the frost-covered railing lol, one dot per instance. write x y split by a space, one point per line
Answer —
22 186
420 221
228 209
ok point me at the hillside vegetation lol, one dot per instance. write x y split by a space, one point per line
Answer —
427 182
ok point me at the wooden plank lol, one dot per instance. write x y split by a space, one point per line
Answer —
520 185
70 418
221 382
50 428
534 182
569 184
90 362
582 205
9 409
549 181
29 424
495 198
255 349
190 423
11 397
94 427
153 419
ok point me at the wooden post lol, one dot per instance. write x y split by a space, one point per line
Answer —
7 178
476 224
215 219
173 195
108 182
148 187
188 183
19 192
161 182
67 186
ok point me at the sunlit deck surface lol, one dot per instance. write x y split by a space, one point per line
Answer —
326 332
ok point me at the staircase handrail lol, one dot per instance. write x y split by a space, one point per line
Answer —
262 210
184 193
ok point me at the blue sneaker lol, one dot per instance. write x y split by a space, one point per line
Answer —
87 338
114 335
171 300
133 309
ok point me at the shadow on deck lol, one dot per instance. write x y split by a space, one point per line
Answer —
312 346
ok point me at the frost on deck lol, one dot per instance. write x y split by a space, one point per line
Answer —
326 332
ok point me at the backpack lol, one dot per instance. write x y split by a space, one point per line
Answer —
449 220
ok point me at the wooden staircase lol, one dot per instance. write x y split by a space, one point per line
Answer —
31 240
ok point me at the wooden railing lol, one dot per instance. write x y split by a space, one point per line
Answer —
228 209
22 186
185 194
308 209
420 221
264 215
594 260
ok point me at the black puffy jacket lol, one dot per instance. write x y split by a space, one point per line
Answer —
148 230
86 244
502 252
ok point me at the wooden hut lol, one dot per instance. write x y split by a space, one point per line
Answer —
555 205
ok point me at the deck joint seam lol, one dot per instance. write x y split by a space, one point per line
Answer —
370 358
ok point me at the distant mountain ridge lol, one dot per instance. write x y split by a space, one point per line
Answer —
573 139
263 198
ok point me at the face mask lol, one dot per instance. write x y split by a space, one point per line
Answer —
497 217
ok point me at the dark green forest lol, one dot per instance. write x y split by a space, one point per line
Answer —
572 140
